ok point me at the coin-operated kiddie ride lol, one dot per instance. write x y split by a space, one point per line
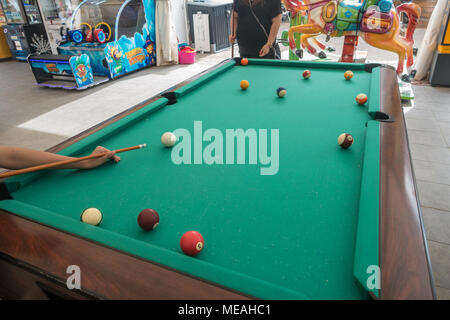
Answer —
376 21
105 39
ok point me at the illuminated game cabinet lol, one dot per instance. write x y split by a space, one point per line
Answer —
440 66
24 31
5 53
103 40
55 14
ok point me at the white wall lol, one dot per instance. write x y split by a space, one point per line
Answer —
179 18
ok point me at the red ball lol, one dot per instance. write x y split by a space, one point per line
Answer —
306 74
192 243
361 98
244 61
148 219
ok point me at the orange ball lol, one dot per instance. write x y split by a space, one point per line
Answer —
244 84
361 98
244 61
348 75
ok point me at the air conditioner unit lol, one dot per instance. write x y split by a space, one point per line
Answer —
217 28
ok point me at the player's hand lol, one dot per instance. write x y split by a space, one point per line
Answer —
232 38
264 50
93 163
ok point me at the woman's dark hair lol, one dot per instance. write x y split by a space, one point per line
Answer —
246 2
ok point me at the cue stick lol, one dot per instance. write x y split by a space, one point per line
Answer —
64 162
232 31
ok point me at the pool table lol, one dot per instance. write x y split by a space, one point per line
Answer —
286 213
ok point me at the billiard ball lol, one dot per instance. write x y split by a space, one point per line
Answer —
361 98
192 243
148 219
348 75
168 139
306 74
281 92
345 140
244 61
244 84
91 216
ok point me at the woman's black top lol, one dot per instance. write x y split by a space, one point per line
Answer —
250 36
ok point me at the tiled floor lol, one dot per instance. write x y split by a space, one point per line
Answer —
428 126
39 118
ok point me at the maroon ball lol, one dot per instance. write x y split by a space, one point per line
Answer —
148 219
345 140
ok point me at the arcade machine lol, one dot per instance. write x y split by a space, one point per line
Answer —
5 53
56 14
89 30
25 32
440 66
105 39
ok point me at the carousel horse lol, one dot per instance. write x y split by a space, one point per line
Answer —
376 21
295 18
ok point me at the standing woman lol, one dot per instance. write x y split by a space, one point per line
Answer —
255 24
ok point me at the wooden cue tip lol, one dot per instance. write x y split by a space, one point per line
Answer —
144 145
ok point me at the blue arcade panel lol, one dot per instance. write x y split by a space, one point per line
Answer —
95 52
61 71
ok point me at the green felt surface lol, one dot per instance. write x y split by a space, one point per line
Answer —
289 235
367 246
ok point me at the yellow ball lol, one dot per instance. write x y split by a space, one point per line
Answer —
244 84
92 216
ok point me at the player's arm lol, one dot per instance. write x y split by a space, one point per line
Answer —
276 22
233 24
20 158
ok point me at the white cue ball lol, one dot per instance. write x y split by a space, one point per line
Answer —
168 139
91 216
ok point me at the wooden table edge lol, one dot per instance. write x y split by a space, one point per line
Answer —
404 259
